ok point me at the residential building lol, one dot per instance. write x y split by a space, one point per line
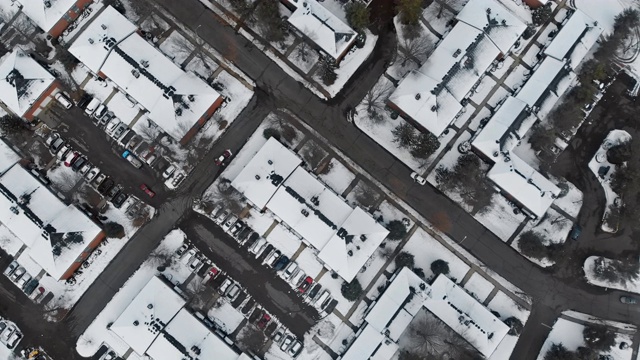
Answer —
433 95
56 236
25 86
157 325
346 237
52 16
179 102
321 27
405 296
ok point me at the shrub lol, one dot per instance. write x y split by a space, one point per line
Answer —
440 267
271 132
397 230
404 259
351 291
357 15
599 337
223 124
114 230
620 153
515 325
531 244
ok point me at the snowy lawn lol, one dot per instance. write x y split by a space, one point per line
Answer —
438 17
258 221
203 67
343 332
478 287
483 89
517 77
499 217
501 69
123 108
334 286
304 57
9 242
389 212
284 240
96 88
97 333
569 201
62 177
426 250
337 176
307 260
313 154
506 307
364 195
499 95
554 227
177 48
530 58
225 316
589 273
8 9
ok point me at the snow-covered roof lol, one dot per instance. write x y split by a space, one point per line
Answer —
356 240
415 98
46 14
577 37
22 81
175 99
55 233
8 157
523 183
493 136
465 315
309 208
542 80
365 344
265 172
147 315
196 340
321 26
501 25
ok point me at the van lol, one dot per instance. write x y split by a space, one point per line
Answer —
63 100
93 105
258 246
100 111
127 155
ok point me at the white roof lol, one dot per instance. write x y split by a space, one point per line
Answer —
365 344
175 99
540 81
189 332
46 17
147 315
578 35
8 157
492 136
356 240
524 184
320 222
322 27
391 301
22 81
501 25
255 181
55 233
414 97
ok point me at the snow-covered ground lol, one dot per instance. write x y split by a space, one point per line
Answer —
571 202
600 162
337 176
479 287
506 307
437 16
97 333
589 273
500 218
553 226
568 330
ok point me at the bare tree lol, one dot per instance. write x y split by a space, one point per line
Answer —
375 100
415 49
428 337
227 195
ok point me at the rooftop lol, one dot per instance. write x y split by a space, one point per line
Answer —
46 13
322 27
576 36
55 233
22 81
534 191
8 157
175 99
541 81
505 128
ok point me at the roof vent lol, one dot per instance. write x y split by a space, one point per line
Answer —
150 306
103 26
363 237
418 96
456 53
488 10
135 73
257 177
90 41
144 63
350 253
270 162
178 111
191 98
47 3
304 212
136 323
434 108
14 210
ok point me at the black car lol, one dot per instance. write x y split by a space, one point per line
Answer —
84 100
31 286
575 232
105 186
244 233
119 200
281 263
252 239
79 163
114 191
314 291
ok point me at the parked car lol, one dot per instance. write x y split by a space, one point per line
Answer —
628 300
325 303
295 349
51 138
418 179
258 246
306 283
146 190
71 158
92 106
22 282
239 225
297 278
151 159
56 145
92 174
177 179
106 118
223 157
322 298
85 168
106 185
181 250
119 131
232 292
119 200
3 325
286 343
84 100
114 191
264 321
281 263
79 163
7 333
11 268
277 337
290 270
127 155
168 171
100 111
196 264
314 291
229 222
64 150
99 180
18 273
266 251
216 210
109 355
31 286
111 126
221 217
576 230
13 340
225 285
63 100
272 258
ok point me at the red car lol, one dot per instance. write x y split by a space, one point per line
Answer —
214 272
225 155
264 321
306 284
71 158
146 189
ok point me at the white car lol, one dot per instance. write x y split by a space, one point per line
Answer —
64 101
229 222
169 171
111 126
418 179
258 246
188 256
92 174
290 270
7 333
297 278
